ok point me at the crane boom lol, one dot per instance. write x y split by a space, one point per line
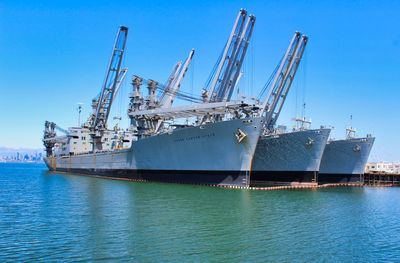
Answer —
174 90
275 92
225 59
107 93
171 80
297 58
245 40
233 60
121 78
232 63
61 129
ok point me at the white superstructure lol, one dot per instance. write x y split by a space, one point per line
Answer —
383 167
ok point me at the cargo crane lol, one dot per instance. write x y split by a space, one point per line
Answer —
102 105
283 79
235 72
177 83
227 54
290 76
228 70
171 80
147 126
121 78
228 73
50 136
216 102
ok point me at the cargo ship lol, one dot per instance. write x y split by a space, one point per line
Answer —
216 148
343 161
209 154
289 157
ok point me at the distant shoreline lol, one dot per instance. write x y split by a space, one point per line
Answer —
20 162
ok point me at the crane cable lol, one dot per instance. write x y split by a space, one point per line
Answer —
179 94
268 84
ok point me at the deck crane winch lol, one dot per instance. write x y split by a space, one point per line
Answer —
283 79
114 76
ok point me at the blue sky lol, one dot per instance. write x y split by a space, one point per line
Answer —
54 54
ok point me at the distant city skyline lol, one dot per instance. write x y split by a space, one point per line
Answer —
55 55
22 155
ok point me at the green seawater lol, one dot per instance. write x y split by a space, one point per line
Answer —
53 217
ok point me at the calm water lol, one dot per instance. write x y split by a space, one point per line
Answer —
58 217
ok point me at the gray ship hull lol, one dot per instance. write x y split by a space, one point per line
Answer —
289 158
210 154
344 161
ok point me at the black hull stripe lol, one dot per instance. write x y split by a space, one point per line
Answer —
340 178
284 177
237 178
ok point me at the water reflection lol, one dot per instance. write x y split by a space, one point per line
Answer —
53 216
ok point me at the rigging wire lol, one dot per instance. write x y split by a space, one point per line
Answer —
252 43
297 94
179 94
214 70
268 84
192 76
304 79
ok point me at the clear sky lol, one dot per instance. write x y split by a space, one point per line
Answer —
55 53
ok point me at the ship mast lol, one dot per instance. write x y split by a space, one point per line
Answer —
350 131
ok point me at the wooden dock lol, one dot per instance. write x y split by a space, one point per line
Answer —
382 178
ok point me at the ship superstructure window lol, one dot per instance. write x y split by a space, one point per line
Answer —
83 138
